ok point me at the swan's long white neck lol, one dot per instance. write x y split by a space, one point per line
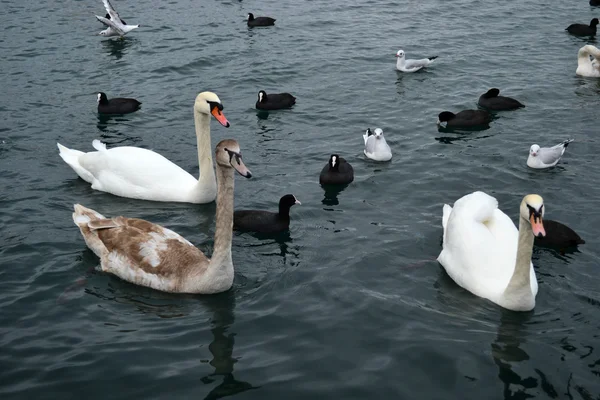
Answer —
519 286
400 62
206 180
583 55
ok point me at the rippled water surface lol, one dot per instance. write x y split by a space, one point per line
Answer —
350 305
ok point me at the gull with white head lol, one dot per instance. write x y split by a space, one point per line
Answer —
546 157
404 65
376 148
115 25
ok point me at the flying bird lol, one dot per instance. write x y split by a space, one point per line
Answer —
115 25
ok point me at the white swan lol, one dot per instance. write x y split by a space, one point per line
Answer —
376 148
484 253
149 255
143 174
585 66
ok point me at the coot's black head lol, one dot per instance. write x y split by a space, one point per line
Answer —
594 22
445 116
250 17
102 99
288 200
492 93
262 96
334 162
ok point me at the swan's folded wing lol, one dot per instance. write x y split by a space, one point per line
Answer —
111 24
135 172
479 240
147 254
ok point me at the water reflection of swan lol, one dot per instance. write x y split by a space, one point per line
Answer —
221 347
507 353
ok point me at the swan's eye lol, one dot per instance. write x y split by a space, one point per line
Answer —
238 155
214 104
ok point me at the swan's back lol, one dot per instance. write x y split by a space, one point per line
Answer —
480 245
123 170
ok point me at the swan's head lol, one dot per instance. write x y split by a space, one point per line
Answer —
594 22
400 54
445 116
334 161
102 98
228 155
262 96
532 210
209 103
533 150
250 16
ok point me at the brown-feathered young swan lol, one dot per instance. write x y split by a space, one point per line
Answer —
484 253
139 173
148 254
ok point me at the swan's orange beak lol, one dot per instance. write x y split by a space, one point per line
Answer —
218 114
537 226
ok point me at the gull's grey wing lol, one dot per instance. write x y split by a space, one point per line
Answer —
550 155
370 144
111 24
410 64
114 15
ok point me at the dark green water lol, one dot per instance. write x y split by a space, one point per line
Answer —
352 305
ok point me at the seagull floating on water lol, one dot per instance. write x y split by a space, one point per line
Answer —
376 148
404 65
116 26
546 157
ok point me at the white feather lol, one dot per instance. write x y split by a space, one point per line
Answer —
586 66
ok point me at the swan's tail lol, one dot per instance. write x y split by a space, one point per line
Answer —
98 145
83 218
432 58
445 216
71 157
84 215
